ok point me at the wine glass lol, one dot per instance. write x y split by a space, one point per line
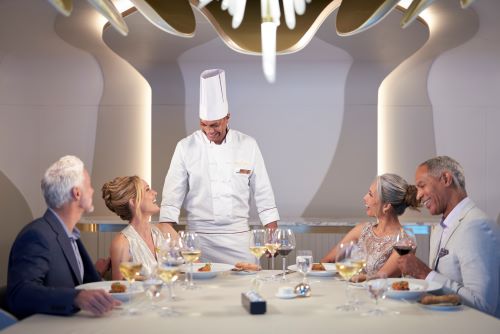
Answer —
377 289
347 269
271 244
185 282
153 287
286 243
258 243
130 270
359 256
405 243
191 252
304 262
171 260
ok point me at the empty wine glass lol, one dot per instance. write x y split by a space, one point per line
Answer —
377 289
191 252
152 286
185 281
406 242
347 269
359 256
286 241
304 262
271 244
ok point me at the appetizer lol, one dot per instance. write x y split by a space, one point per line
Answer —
206 267
401 286
118 287
245 266
318 267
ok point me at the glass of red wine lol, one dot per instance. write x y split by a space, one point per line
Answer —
406 242
286 243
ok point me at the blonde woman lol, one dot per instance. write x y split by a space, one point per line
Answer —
387 198
132 199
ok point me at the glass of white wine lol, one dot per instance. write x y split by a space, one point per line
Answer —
191 252
347 269
258 243
286 242
130 271
271 244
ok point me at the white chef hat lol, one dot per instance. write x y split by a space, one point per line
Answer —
213 101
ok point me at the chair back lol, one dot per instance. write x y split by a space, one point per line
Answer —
6 319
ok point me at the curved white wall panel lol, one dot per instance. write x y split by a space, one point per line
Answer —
464 88
406 135
49 97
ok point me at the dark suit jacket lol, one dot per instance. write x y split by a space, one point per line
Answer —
43 271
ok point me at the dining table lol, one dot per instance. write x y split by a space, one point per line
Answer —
215 306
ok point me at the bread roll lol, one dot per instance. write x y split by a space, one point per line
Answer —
451 299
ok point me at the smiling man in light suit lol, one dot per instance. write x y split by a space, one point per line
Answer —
465 246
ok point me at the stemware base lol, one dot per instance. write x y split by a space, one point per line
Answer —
347 308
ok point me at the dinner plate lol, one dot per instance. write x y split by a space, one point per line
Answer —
244 272
106 285
331 269
417 288
216 268
441 307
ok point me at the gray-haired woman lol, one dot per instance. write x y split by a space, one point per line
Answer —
387 198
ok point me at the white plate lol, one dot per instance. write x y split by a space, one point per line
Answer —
442 307
417 288
106 285
244 272
331 269
216 268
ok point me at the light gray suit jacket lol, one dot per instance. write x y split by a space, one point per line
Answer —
471 266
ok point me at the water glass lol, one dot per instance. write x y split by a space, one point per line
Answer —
304 262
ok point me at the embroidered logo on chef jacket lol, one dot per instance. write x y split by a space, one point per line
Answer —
244 171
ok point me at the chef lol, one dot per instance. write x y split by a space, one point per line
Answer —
213 173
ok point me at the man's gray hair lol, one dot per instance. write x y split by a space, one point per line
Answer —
436 166
60 178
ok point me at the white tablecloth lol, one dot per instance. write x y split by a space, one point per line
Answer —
216 308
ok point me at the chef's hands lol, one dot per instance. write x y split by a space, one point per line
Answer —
272 226
411 265
98 302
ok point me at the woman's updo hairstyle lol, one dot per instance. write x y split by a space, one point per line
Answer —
394 190
118 192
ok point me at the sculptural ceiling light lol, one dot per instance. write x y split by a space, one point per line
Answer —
252 26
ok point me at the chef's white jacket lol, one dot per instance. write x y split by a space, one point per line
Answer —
214 183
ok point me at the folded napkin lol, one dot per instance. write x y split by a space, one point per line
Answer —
451 299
